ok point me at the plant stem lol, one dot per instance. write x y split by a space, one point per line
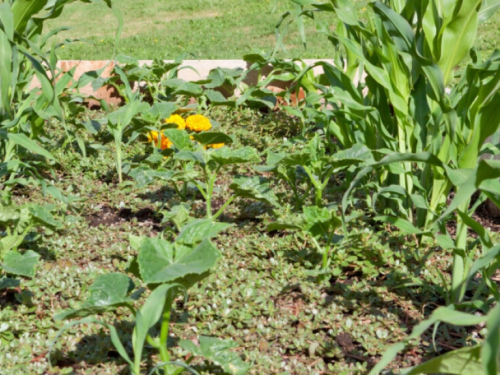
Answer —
118 143
165 324
218 213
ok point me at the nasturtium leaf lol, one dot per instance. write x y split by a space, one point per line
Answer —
226 156
179 138
199 230
108 292
219 352
255 188
210 138
145 176
159 263
6 282
20 264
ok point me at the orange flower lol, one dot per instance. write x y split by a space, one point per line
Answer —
198 123
163 144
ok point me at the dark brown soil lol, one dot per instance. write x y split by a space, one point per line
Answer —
110 216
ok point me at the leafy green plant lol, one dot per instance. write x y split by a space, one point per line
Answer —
312 163
201 165
318 225
168 269
24 55
18 222
118 122
387 93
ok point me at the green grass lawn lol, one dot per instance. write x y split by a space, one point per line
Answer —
204 29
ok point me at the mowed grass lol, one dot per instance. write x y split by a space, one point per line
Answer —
204 29
200 29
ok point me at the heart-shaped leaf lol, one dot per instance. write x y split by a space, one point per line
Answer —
108 292
179 138
145 176
159 263
226 156
255 188
20 264
199 230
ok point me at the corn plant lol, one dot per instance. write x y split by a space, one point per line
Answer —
168 270
402 56
24 54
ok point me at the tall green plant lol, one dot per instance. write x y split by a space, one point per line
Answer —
387 92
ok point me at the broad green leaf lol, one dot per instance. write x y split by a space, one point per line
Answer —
124 115
210 138
108 292
254 188
196 156
24 10
30 145
42 217
219 352
199 230
190 89
6 282
226 156
441 314
180 138
159 263
320 221
145 176
20 264
178 215
491 346
488 8
216 98
457 38
462 361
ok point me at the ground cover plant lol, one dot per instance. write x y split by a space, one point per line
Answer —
188 232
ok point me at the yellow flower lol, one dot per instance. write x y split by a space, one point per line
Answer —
198 123
177 120
216 145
